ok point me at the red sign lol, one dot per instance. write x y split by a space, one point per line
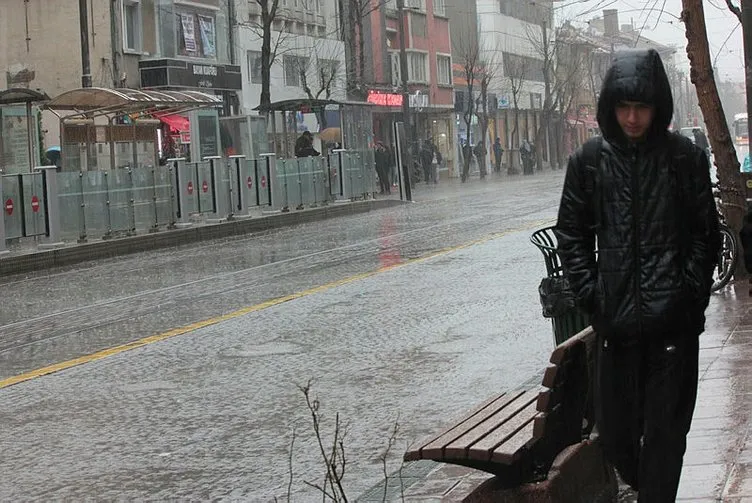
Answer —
384 99
249 182
263 181
9 206
205 186
190 188
34 204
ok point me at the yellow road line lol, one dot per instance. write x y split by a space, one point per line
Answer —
57 367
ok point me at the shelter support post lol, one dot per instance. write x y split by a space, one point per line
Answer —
3 246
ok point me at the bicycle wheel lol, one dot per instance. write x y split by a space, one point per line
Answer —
727 259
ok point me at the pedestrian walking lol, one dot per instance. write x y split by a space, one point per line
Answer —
383 160
427 153
526 157
644 194
498 152
480 155
467 157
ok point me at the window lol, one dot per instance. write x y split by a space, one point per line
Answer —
197 35
416 4
294 66
416 63
394 59
328 73
254 67
444 70
132 25
439 7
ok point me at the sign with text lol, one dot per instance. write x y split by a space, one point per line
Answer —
384 99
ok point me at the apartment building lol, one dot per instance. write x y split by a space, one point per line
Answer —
429 61
309 54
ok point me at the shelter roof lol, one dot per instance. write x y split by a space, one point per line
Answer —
98 98
17 95
296 105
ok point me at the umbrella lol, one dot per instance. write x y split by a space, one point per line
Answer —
53 149
332 134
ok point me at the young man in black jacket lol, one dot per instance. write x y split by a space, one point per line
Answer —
644 194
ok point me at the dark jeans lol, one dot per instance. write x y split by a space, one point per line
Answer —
498 164
645 399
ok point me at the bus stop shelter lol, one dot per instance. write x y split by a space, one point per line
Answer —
19 133
348 124
110 128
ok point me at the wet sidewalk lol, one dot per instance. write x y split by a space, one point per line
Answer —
718 462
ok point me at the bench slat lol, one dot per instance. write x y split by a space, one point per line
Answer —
511 450
496 427
483 449
435 448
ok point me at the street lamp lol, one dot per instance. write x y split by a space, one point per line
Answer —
407 155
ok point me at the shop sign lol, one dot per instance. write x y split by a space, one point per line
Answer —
384 99
178 73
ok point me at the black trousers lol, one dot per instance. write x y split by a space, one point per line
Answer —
645 397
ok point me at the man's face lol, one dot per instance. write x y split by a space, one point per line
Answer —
634 118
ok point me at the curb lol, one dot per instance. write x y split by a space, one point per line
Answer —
45 259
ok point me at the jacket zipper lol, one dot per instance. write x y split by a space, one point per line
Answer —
635 235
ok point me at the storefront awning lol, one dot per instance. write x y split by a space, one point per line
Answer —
177 123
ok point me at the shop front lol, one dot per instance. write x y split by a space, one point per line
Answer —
205 135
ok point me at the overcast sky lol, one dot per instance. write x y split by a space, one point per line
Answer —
724 31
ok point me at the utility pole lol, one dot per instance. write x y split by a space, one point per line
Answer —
83 17
747 30
407 161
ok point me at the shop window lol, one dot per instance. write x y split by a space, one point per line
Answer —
444 70
254 67
197 36
132 22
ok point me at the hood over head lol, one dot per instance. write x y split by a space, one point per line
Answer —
635 75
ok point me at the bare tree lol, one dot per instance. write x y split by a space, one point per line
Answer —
516 71
270 48
486 74
319 73
701 75
354 13
468 53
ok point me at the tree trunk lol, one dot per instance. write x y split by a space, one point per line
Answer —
266 56
514 142
701 75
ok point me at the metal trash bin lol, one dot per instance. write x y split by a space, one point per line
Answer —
574 321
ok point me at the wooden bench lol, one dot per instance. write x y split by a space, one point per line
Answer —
518 434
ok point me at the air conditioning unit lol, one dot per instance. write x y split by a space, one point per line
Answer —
415 4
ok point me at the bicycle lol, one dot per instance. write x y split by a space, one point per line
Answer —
728 255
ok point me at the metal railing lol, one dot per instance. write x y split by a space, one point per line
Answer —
83 205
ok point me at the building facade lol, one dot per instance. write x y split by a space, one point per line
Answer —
505 37
428 47
139 44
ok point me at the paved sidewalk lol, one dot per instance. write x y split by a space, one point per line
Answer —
718 463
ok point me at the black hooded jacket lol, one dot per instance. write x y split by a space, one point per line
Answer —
654 218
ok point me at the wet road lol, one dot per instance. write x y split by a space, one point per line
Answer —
209 413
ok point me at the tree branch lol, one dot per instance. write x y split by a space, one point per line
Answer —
734 9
